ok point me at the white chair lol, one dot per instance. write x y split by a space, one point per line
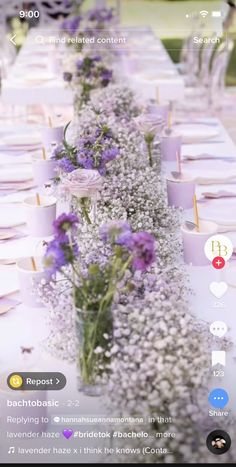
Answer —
51 10
205 61
211 94
189 64
218 72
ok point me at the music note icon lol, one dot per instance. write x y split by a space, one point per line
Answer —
11 450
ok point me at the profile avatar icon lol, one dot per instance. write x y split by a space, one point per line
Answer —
218 442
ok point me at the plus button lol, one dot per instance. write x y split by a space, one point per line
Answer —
218 262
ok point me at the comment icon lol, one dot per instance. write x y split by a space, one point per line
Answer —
218 328
56 419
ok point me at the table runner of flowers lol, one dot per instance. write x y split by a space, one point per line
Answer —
157 359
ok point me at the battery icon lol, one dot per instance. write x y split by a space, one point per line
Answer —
216 14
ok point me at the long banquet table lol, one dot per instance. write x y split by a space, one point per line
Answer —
27 327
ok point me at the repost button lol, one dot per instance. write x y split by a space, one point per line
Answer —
27 381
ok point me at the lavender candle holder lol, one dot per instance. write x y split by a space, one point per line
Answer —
161 110
28 280
194 242
44 170
40 218
180 192
170 146
52 135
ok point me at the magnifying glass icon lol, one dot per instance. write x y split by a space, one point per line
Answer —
39 40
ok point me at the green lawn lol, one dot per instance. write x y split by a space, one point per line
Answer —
168 20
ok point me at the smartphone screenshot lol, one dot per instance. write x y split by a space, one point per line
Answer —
117 231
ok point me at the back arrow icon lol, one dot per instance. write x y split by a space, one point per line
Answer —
12 39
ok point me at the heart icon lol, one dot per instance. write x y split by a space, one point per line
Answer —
67 433
218 289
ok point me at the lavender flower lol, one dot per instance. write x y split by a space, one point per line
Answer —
114 230
87 65
71 25
141 245
89 73
106 77
66 165
64 223
126 239
100 15
109 154
59 253
85 161
143 249
95 150
74 24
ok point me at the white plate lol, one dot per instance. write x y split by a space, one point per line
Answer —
211 172
8 280
197 133
37 76
222 211
11 216
21 174
14 159
30 139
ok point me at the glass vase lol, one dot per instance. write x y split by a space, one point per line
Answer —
85 207
155 154
94 337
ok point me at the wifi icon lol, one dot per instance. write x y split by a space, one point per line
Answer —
204 13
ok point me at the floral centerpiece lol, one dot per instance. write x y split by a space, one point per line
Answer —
95 286
94 149
90 72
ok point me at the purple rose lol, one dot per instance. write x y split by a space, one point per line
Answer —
150 124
